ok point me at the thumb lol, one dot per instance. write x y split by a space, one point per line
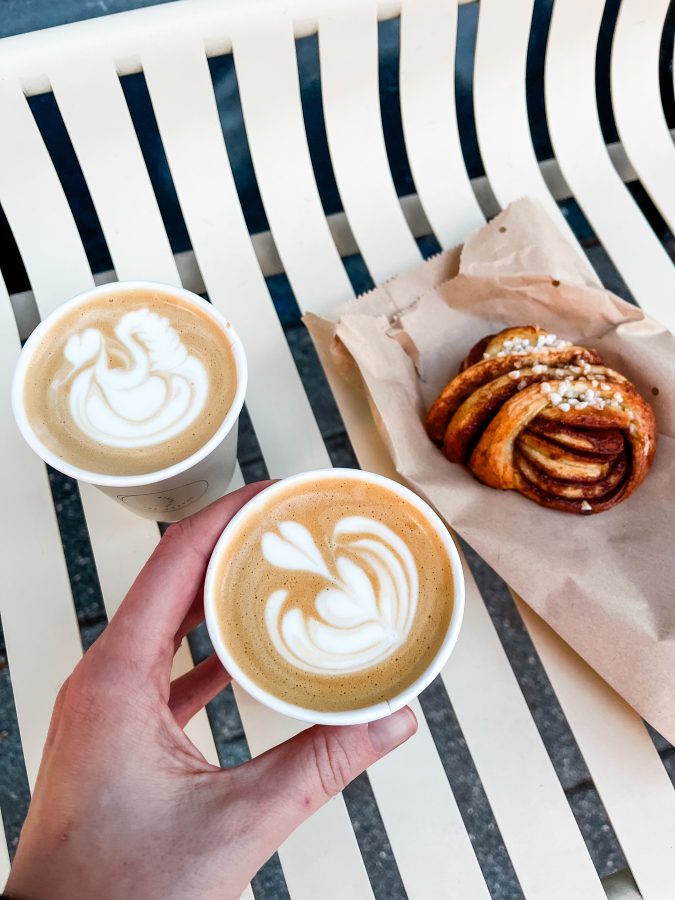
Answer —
291 781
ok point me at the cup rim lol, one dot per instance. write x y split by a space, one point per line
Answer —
159 475
362 714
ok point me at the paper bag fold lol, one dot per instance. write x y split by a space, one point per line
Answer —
605 583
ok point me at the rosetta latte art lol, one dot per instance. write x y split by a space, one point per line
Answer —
154 390
366 610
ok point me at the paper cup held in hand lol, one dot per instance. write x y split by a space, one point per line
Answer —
334 596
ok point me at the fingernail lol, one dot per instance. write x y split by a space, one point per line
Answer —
385 734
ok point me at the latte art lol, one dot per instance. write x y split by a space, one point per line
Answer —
130 381
332 592
364 612
152 393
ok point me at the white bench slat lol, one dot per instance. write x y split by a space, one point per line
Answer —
623 762
98 123
37 590
500 108
121 37
273 118
180 88
322 858
577 139
536 822
438 868
636 99
120 542
433 851
96 116
110 545
348 45
36 606
36 206
97 119
115 535
178 78
119 551
316 273
429 116
270 262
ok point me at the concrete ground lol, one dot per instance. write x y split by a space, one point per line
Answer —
23 15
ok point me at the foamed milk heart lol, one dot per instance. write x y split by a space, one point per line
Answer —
359 621
130 383
336 595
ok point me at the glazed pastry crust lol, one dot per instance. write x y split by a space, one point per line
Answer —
531 413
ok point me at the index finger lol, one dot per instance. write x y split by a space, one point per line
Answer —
163 592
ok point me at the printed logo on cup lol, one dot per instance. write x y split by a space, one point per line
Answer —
170 500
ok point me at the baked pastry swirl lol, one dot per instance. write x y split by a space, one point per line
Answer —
534 413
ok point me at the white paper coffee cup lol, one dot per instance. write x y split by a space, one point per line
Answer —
171 493
347 717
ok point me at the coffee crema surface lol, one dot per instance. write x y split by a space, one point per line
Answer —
337 596
130 383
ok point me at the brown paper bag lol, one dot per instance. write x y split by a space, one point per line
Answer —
605 583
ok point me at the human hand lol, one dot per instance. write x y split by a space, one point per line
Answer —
125 805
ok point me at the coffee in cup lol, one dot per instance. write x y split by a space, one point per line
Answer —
129 386
129 383
334 592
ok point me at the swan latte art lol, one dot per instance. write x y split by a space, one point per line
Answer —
129 383
337 596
